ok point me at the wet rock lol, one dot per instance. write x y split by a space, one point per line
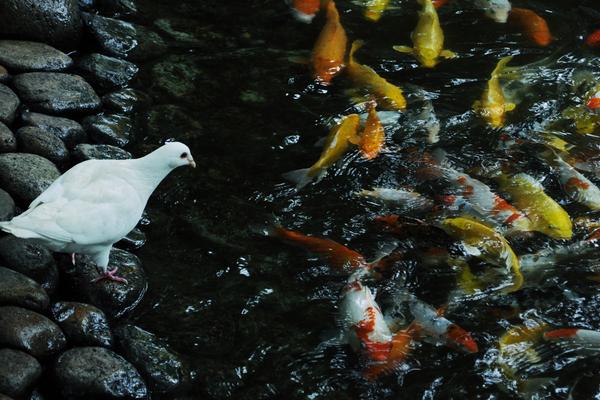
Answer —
32 56
3 397
97 373
67 130
134 240
18 290
113 129
9 102
55 92
185 31
114 298
35 395
176 120
8 142
30 259
107 72
83 152
125 101
38 141
84 324
26 176
175 76
29 331
4 75
117 6
7 206
124 39
18 372
163 370
56 22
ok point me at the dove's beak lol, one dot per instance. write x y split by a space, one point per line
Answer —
192 163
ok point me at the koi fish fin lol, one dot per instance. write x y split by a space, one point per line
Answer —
403 49
501 67
448 54
509 106
357 44
301 177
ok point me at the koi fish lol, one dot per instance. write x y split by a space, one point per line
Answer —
546 215
339 140
429 121
400 348
586 122
439 3
335 254
305 10
584 340
330 48
374 9
387 95
399 197
593 39
495 9
579 188
493 105
593 101
483 242
428 38
366 330
373 136
534 26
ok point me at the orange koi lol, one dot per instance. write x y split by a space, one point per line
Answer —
439 3
330 48
593 40
401 346
305 10
373 136
534 26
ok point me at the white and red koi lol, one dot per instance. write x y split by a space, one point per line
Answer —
305 10
579 188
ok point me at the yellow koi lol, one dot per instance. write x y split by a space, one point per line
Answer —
428 38
374 9
546 215
340 138
387 95
493 105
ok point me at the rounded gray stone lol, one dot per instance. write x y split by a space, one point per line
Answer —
113 129
18 372
7 206
56 92
56 22
29 331
9 102
67 130
4 75
125 101
25 176
84 151
97 373
19 290
38 141
18 55
107 72
8 142
30 259
84 324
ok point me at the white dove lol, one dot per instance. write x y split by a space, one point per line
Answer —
96 203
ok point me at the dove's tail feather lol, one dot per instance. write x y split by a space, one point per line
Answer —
8 227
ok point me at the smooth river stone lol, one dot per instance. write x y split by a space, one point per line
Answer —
67 130
38 141
107 72
9 102
97 373
113 129
84 324
8 142
55 92
22 56
18 372
84 151
29 331
17 289
26 176
125 101
7 206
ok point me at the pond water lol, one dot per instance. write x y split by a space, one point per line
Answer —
256 317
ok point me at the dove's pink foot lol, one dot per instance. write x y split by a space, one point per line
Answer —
110 275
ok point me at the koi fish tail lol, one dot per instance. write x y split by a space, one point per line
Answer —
302 177
503 71
357 44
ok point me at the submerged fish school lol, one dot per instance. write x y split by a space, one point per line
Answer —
476 214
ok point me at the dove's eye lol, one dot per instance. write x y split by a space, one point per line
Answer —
183 155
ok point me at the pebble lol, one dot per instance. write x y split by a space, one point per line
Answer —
163 369
84 151
107 72
83 324
18 55
124 39
8 142
115 299
4 75
19 290
9 102
26 176
67 130
125 101
56 22
55 92
134 240
113 129
38 141
97 373
30 259
7 206
18 372
29 331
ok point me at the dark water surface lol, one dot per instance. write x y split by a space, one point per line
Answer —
254 316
